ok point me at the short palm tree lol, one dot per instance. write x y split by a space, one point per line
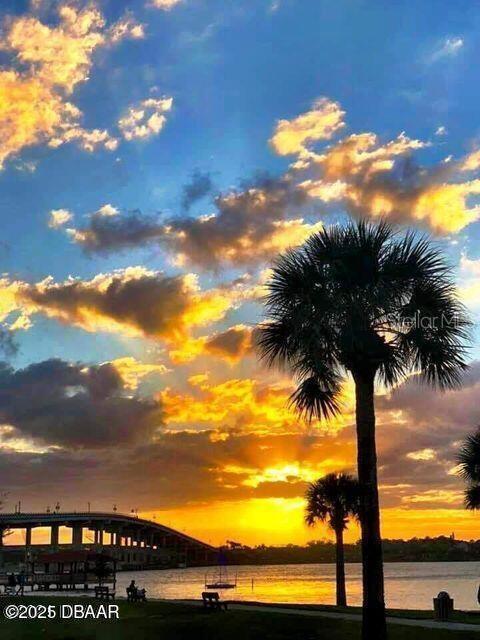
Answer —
334 499
469 462
364 301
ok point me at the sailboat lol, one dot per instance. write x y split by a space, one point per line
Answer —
221 580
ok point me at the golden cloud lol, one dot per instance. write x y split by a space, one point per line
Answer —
380 180
60 55
133 372
30 113
376 179
320 123
48 62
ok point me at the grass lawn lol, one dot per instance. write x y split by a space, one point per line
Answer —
470 617
164 621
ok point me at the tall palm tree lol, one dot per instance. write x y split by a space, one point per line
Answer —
334 499
469 462
364 301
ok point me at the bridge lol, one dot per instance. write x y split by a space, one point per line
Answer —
134 542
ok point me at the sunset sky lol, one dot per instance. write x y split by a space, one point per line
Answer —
155 155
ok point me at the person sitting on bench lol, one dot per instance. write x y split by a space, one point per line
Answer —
134 594
211 600
132 591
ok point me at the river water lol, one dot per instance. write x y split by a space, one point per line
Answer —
409 585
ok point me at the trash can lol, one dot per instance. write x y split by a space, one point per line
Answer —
443 606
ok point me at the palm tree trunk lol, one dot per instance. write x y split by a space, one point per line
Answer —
374 624
340 560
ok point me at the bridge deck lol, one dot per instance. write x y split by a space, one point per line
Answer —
108 522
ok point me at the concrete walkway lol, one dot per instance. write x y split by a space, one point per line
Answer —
354 617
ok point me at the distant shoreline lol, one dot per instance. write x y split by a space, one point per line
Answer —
440 549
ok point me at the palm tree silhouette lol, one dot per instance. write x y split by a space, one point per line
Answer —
334 499
363 301
469 463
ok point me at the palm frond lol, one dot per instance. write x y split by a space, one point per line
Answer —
438 338
333 498
315 400
472 497
363 296
468 458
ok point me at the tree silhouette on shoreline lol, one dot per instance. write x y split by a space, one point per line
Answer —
334 499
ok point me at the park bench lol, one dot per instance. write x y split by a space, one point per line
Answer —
104 593
136 595
212 602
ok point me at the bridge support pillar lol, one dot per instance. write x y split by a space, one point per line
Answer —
28 536
98 536
54 535
77 534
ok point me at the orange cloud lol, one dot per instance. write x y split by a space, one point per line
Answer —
241 404
230 345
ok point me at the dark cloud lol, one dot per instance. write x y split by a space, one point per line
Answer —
72 405
232 344
8 345
176 468
418 438
134 301
451 412
106 234
221 464
215 465
199 186
249 226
